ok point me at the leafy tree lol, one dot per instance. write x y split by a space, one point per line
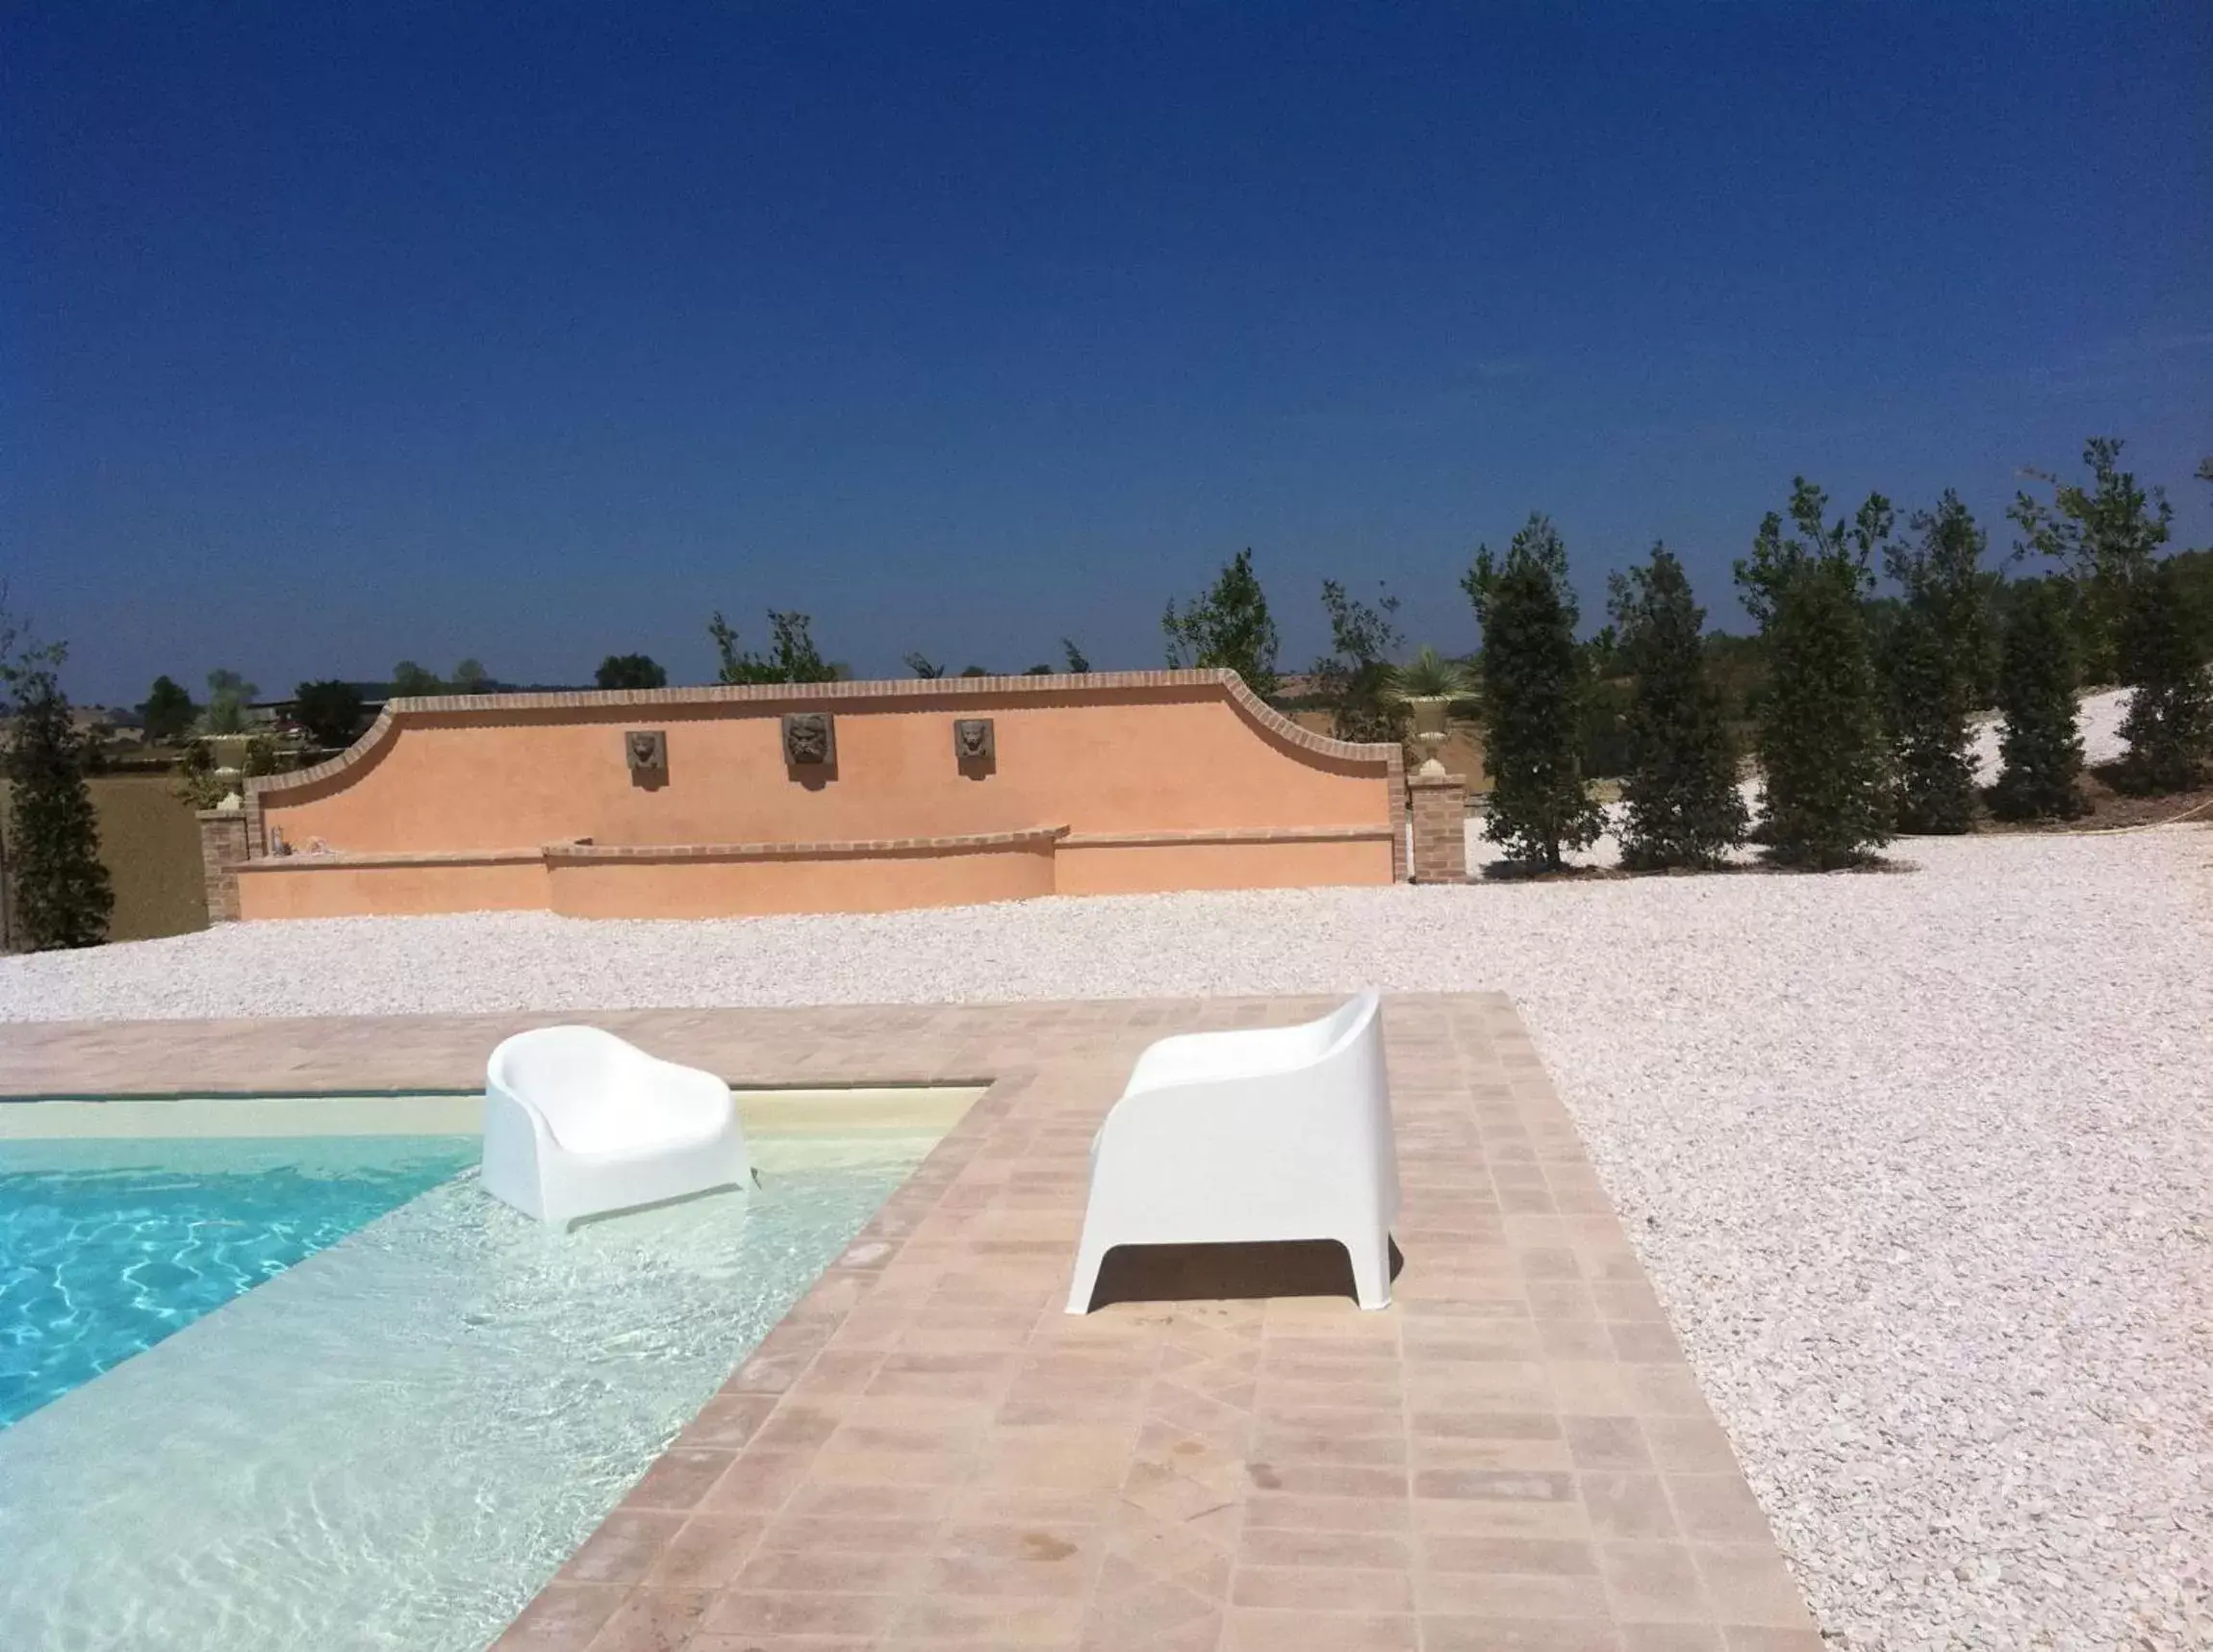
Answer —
2106 535
923 667
1040 670
329 711
1227 628
169 712
1533 690
471 678
1078 665
790 656
1820 735
1355 677
228 694
973 670
1932 653
2168 725
631 671
62 898
410 682
2039 747
1681 801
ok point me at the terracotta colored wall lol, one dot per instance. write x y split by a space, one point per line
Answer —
306 890
752 887
1138 870
1117 754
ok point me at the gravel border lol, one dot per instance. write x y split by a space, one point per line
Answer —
1921 1164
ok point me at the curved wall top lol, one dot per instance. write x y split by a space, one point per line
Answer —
1104 753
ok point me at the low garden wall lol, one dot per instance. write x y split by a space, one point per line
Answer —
816 797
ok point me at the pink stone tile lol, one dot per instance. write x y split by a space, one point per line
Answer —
1274 1546
564 1617
1512 1595
1013 1560
678 1479
653 1620
624 1548
1323 1588
1654 1582
1627 1505
740 1612
1298 1513
1749 1585
1538 1557
1250 1629
707 1552
1325 1480
1607 1442
1456 1632
1716 1507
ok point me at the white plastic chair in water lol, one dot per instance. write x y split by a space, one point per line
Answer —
1278 1132
578 1123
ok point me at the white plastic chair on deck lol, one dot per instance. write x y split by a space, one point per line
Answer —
1278 1132
578 1123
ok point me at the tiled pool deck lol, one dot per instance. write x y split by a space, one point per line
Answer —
928 1452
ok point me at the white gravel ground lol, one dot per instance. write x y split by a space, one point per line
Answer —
1919 1161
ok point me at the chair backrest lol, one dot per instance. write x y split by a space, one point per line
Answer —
575 1078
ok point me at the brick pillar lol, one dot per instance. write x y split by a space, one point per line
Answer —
222 845
1439 805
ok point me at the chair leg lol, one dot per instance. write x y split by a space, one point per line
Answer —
1090 1256
1370 1255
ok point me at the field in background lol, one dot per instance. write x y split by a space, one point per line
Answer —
151 847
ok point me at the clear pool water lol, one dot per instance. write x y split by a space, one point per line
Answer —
394 1442
105 1247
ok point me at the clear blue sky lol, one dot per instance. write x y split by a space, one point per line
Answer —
330 336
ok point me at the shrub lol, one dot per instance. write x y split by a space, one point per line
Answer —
62 898
2039 747
329 711
1228 628
1681 801
1532 690
631 671
1932 655
2170 721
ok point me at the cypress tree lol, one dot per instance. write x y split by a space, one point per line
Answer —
1822 755
2169 725
2039 749
1932 659
61 893
1533 684
1680 795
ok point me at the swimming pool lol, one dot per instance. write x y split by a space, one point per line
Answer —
396 1440
109 1246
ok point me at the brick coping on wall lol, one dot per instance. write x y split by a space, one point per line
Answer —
493 706
1265 717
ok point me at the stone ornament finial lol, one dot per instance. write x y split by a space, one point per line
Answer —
973 740
810 739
